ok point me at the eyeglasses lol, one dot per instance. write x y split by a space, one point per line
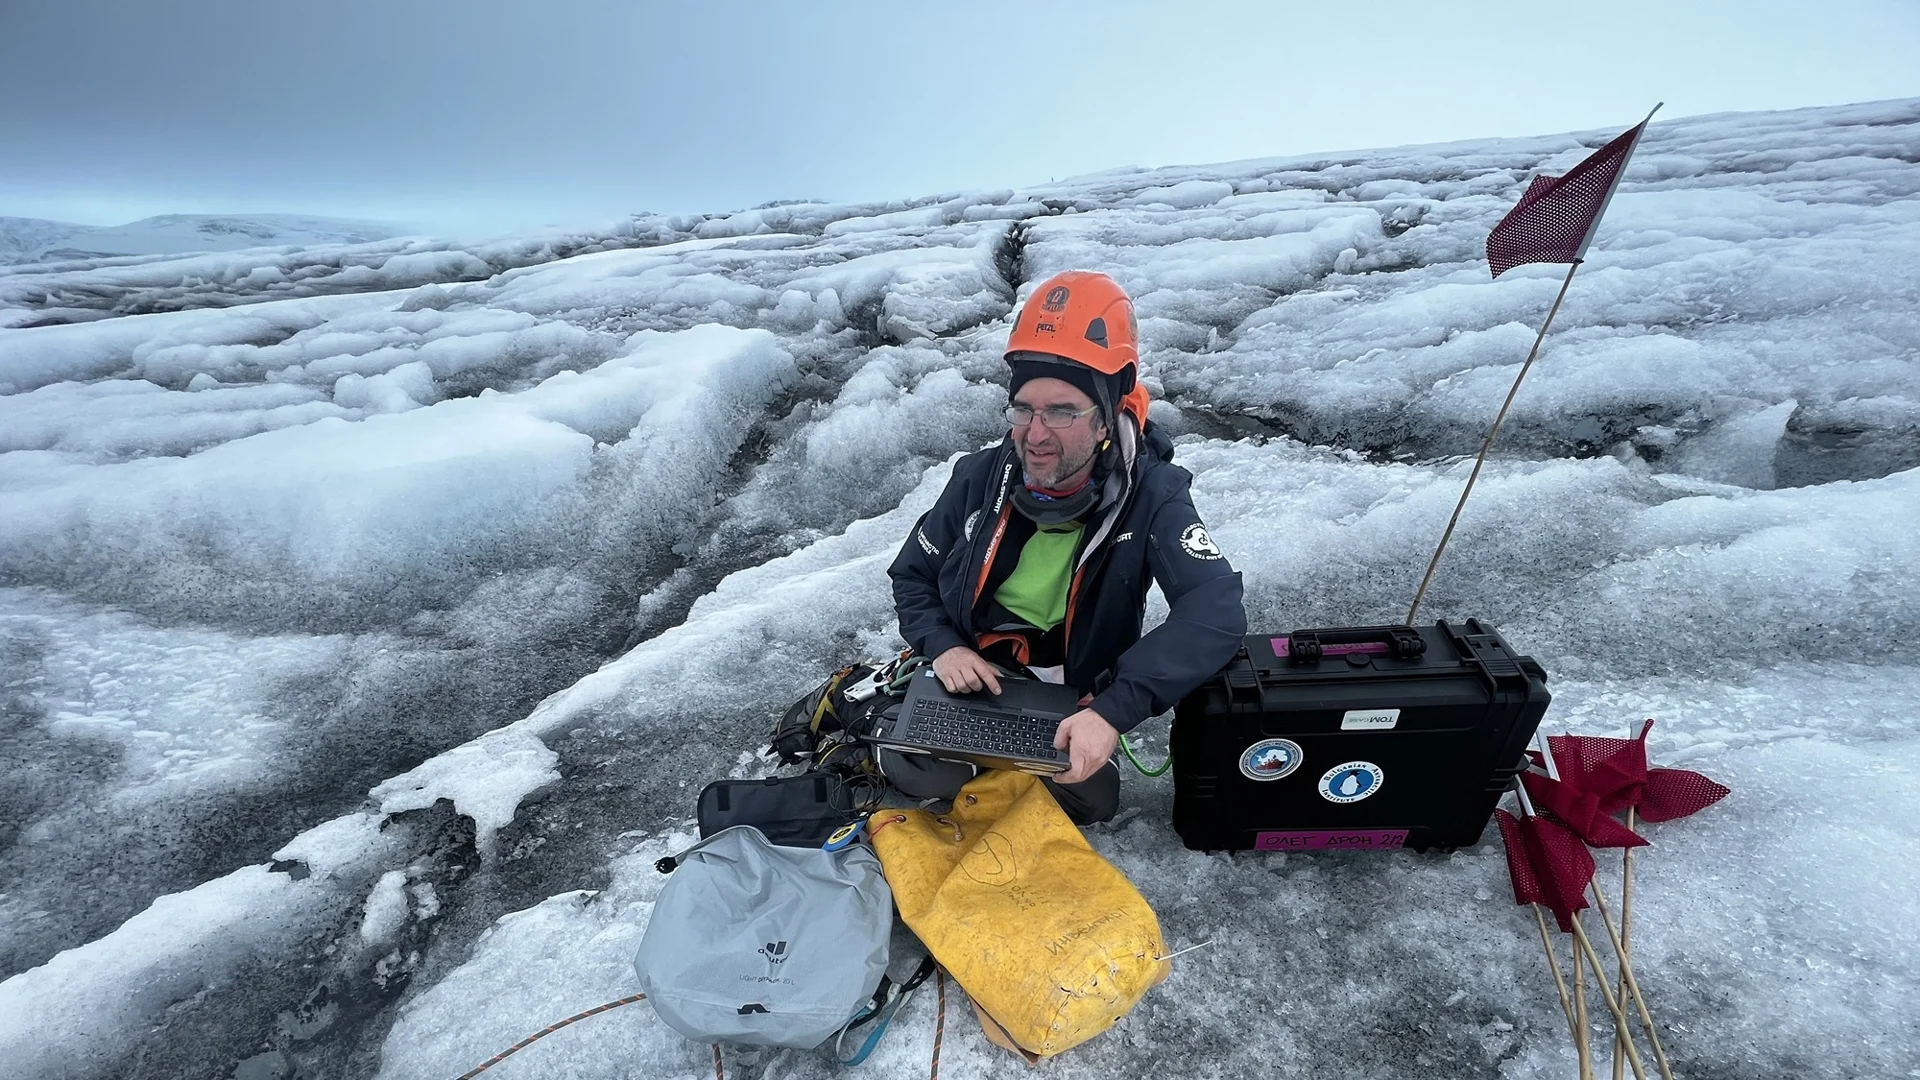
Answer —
1056 416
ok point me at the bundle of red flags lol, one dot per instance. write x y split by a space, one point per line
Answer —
1600 777
1547 855
1567 809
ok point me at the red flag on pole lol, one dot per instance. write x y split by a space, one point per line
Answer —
1554 221
1526 880
1675 793
1601 776
1610 771
1580 810
1549 866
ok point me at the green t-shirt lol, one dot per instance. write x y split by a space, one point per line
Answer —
1037 589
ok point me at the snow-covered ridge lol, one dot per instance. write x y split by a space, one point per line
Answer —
373 613
34 240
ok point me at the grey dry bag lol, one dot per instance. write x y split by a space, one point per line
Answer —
755 943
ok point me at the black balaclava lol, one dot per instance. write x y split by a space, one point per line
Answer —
1098 388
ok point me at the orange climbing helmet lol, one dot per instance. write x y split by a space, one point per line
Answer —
1085 318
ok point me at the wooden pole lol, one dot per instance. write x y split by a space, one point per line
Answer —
1434 563
1582 1047
1626 938
1576 1018
1633 985
1553 962
1613 1003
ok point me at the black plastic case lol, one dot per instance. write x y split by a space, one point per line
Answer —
1363 738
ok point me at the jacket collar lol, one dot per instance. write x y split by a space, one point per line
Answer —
1120 484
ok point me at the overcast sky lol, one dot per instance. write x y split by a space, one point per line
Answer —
489 115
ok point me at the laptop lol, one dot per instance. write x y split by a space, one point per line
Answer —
1011 730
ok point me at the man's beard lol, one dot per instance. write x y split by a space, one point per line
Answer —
1055 476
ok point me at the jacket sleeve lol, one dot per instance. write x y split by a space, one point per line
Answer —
1205 625
924 624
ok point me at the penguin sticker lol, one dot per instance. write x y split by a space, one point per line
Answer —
1351 782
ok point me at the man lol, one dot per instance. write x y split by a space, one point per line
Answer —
1039 552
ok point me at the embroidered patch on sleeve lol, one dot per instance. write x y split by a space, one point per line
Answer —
1195 542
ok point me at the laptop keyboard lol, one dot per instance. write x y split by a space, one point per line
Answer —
985 731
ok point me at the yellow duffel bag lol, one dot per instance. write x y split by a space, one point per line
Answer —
1052 942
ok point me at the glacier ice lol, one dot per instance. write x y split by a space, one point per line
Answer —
371 613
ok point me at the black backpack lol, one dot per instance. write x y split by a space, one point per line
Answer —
825 731
827 728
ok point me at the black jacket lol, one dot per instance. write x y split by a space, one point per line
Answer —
1145 530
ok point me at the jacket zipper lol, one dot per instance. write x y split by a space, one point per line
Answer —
1079 573
986 564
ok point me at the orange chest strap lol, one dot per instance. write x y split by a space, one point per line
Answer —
1073 601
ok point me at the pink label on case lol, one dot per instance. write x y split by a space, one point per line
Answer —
1330 840
1280 648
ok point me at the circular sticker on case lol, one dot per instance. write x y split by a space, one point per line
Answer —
1351 782
1270 759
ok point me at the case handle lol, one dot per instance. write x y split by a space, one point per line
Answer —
1308 646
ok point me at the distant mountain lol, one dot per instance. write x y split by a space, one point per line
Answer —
34 240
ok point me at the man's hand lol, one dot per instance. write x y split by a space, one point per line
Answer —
1089 742
963 671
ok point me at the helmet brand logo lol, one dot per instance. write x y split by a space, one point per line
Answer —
1056 299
